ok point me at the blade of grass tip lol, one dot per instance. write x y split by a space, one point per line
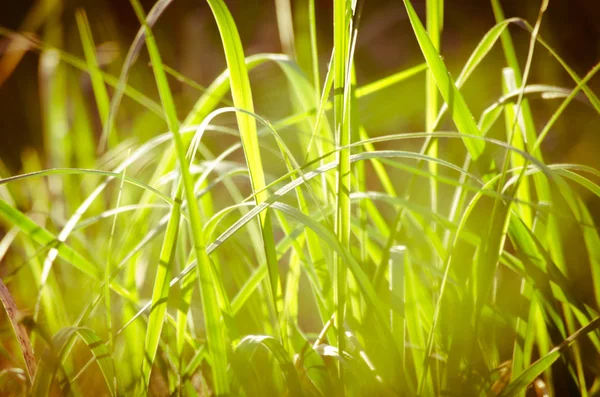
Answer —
159 7
341 34
98 86
242 99
19 329
434 23
217 343
460 112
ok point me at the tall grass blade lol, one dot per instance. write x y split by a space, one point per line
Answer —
242 98
216 338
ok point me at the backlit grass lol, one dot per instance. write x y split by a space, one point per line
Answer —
308 255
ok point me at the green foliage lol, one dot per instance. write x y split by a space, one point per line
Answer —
299 256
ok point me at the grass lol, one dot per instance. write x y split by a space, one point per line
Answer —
298 256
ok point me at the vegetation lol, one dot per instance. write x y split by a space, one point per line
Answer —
308 255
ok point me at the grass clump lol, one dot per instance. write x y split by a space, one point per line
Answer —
307 255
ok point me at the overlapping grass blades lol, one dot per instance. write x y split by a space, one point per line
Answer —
302 290
215 335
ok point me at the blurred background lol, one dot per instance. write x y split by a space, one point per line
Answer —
190 43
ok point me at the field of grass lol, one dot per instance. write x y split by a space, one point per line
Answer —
304 255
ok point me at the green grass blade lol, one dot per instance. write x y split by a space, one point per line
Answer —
341 91
245 349
43 237
460 112
242 98
100 92
529 375
435 17
216 338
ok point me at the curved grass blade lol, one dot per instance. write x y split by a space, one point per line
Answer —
530 374
242 98
159 7
460 112
247 346
216 339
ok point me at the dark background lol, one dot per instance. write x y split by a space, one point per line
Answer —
189 42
